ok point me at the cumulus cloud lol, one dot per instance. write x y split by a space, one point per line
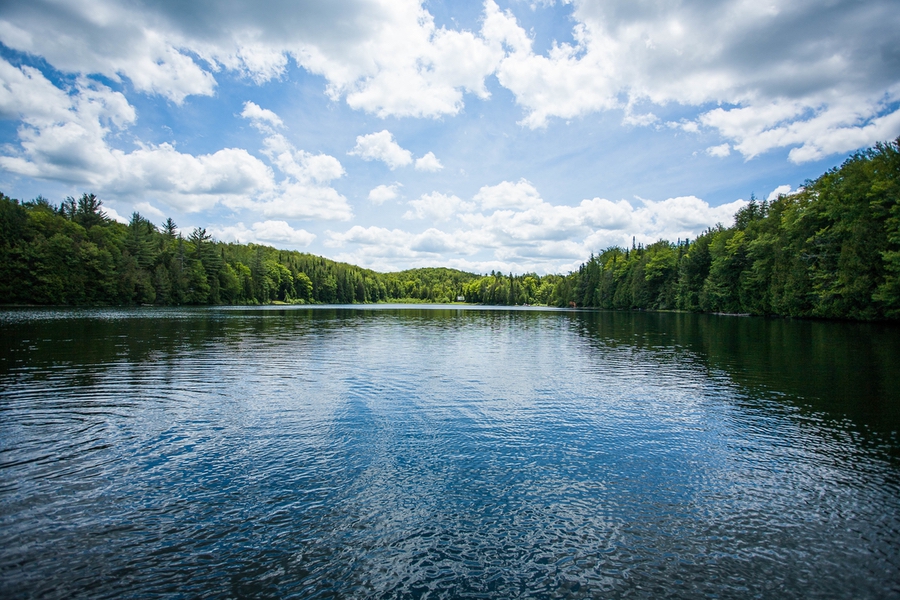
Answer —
148 210
815 130
264 232
549 222
781 190
639 120
110 39
821 80
399 241
782 74
429 163
436 206
382 193
304 192
408 66
300 201
511 221
381 146
65 136
263 119
684 125
184 181
681 217
61 134
508 195
389 249
389 59
115 216
720 151
299 164
570 81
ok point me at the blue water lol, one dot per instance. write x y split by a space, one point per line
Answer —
427 452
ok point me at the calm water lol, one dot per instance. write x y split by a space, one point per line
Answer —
446 453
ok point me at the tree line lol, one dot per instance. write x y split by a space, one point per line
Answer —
74 254
830 250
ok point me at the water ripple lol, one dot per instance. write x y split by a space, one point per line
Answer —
424 453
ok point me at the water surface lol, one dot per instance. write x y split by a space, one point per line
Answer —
428 452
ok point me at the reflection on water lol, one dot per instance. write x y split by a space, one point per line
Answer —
444 452
841 369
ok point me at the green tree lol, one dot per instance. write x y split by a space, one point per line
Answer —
88 212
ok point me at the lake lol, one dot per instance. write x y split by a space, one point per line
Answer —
446 452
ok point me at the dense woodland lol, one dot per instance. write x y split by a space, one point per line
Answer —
831 250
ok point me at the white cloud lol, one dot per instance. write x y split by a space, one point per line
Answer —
184 181
304 193
821 80
109 39
388 59
436 206
569 82
396 242
259 62
112 214
639 120
684 125
816 130
681 217
382 193
292 200
319 167
720 151
575 231
429 163
781 190
385 249
65 137
409 67
831 70
508 195
529 235
148 210
381 146
61 135
544 222
263 119
835 133
299 164
600 213
27 95
264 232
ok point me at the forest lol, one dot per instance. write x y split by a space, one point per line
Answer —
830 250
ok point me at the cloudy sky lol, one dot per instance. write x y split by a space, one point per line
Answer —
504 134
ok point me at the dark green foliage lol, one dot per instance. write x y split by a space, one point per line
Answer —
831 250
73 254
88 213
498 288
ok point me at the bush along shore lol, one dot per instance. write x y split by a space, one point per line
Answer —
830 250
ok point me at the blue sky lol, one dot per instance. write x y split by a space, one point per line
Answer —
505 135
